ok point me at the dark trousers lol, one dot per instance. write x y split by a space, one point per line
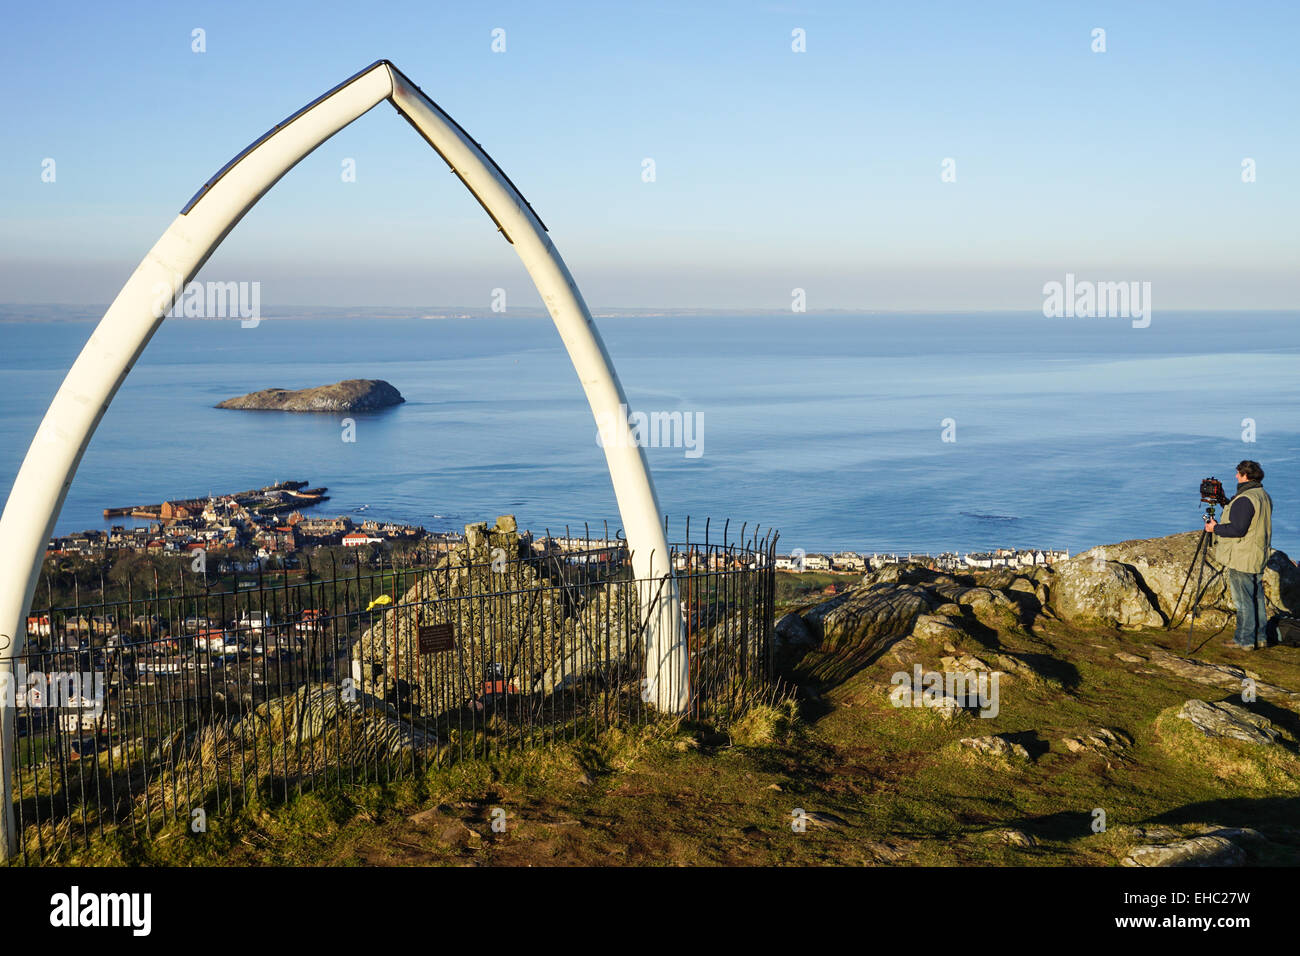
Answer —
1252 613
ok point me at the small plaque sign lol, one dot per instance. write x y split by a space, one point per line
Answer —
434 638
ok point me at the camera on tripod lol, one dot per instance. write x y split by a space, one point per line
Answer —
1212 494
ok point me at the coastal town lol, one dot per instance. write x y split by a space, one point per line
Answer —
270 523
852 561
266 528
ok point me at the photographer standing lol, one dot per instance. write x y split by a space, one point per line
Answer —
1243 544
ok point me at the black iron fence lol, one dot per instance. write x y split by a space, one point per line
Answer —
132 710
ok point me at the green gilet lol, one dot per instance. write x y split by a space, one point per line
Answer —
1251 552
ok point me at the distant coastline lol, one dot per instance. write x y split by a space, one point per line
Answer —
80 313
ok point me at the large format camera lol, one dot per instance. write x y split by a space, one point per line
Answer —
1212 491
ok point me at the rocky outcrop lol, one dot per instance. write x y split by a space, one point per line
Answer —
1229 720
996 746
908 612
854 628
1099 740
870 616
792 632
352 395
1011 837
904 609
1227 676
371 727
1210 849
1102 592
993 605
938 626
933 700
516 629
1136 584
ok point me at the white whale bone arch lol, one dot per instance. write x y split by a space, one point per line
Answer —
42 483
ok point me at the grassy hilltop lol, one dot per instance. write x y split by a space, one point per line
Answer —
1088 719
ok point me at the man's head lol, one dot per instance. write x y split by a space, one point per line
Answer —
1249 471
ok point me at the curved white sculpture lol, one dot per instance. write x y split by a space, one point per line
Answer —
42 483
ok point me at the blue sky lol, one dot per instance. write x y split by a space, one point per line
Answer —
774 169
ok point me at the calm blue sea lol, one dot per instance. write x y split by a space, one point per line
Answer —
1069 432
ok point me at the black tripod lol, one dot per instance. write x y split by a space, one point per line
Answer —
1199 560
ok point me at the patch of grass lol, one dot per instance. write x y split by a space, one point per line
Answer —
1270 768
794 588
765 724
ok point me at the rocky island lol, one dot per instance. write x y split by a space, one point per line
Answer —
352 395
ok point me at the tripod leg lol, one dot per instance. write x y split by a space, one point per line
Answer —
1204 549
1187 579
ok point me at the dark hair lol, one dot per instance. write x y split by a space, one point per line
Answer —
1251 470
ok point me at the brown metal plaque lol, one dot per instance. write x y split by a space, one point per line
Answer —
435 638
